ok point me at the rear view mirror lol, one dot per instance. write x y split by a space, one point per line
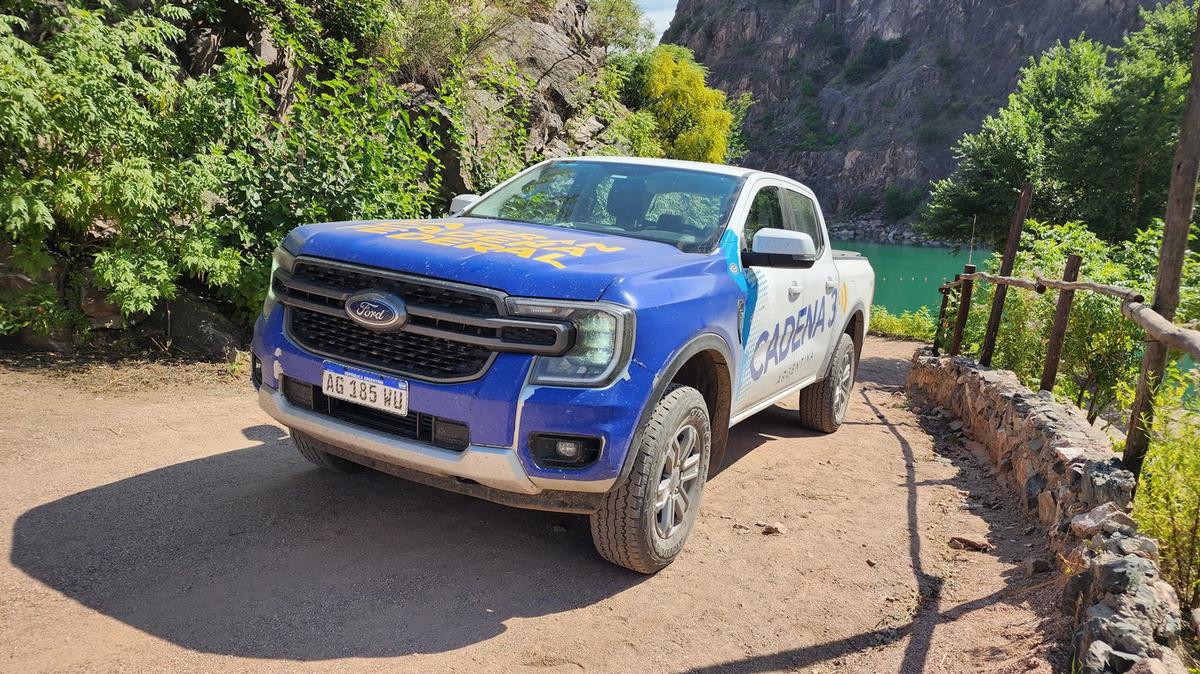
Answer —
780 248
460 203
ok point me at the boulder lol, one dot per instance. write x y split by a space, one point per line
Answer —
1120 575
195 327
94 304
1091 523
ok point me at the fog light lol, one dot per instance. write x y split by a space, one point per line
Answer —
563 451
568 449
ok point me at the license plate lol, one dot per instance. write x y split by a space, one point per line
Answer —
365 388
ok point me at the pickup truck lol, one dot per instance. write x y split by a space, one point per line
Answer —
579 339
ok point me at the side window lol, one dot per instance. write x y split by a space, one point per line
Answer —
765 212
804 214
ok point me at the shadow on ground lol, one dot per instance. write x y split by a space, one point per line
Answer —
882 371
990 501
255 553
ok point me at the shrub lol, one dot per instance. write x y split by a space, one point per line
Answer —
916 325
876 55
106 156
862 203
154 179
1167 506
900 202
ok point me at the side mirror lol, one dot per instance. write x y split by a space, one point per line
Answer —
780 248
460 203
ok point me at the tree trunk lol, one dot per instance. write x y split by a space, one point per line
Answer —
1181 202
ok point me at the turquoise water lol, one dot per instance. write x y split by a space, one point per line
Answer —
907 277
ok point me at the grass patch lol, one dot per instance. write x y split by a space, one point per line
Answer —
916 325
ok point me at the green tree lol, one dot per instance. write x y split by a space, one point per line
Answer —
1113 160
693 121
1011 147
1091 127
621 25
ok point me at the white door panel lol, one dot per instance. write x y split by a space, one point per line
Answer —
791 313
789 331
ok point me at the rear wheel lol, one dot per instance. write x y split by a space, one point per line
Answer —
823 405
643 524
311 449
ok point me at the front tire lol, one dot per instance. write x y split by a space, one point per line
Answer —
823 405
643 524
311 449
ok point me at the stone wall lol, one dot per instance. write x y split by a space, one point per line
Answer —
1064 470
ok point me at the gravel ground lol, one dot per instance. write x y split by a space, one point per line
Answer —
168 525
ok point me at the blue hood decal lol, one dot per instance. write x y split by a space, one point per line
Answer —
520 259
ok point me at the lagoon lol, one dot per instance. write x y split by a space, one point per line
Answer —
907 277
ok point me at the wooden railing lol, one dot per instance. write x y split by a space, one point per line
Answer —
1133 307
1158 328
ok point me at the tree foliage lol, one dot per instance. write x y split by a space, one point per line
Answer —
115 162
124 168
692 120
1167 506
621 25
876 55
1093 128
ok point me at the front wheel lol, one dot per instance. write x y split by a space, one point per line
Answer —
643 524
823 405
313 450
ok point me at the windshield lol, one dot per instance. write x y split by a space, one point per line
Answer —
684 208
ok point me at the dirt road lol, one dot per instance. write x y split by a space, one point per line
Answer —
157 522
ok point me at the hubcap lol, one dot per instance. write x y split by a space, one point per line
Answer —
841 395
679 482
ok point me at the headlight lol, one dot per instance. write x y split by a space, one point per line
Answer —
603 341
280 259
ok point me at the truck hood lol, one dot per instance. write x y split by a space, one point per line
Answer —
520 259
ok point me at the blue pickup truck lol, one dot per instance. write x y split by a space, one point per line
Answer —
579 339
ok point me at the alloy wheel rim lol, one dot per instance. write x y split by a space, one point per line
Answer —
678 483
841 396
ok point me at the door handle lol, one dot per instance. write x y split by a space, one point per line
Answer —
795 291
830 284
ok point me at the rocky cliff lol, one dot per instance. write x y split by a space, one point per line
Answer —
859 96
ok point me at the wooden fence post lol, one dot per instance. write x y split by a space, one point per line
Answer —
1181 202
964 308
1006 266
1058 332
941 321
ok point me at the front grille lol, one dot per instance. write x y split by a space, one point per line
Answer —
452 332
427 295
400 352
427 428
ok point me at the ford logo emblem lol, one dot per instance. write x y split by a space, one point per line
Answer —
379 311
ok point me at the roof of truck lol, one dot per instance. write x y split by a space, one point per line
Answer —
668 163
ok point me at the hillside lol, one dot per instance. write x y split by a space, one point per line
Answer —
855 97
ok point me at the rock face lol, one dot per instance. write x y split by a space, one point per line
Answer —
855 96
554 47
1064 471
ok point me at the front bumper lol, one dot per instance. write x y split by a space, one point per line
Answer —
501 411
496 467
